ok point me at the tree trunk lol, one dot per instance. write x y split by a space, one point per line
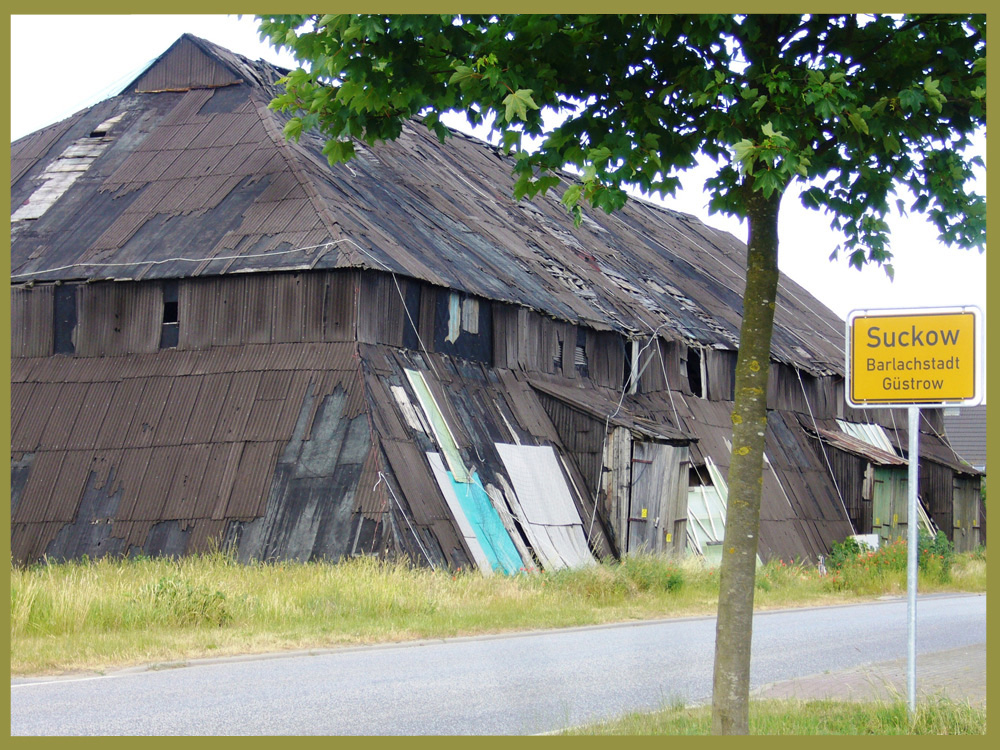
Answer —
731 680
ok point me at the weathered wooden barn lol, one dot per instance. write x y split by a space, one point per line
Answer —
217 339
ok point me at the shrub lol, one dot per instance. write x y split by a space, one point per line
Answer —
843 552
857 568
179 602
936 556
650 572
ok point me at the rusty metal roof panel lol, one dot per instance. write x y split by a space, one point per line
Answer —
69 487
409 467
124 403
188 473
249 494
236 411
183 397
851 444
149 410
208 408
20 369
87 426
151 495
62 418
38 491
20 397
27 434
185 65
217 479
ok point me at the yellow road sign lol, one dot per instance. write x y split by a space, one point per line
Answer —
905 357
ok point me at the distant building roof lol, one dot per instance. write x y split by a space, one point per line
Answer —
965 428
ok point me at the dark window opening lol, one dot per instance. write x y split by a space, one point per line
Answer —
169 312
694 372
580 357
462 325
557 361
699 477
170 329
64 319
627 360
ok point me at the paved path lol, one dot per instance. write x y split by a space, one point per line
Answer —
958 674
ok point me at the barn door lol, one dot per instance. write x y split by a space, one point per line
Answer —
657 500
889 504
965 517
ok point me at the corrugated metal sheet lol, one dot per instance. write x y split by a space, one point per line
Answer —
33 310
545 507
184 66
177 446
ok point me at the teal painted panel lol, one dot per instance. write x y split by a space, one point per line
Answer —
485 521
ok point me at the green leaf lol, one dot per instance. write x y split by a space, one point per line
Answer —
521 185
911 99
338 151
463 74
572 196
858 122
293 129
511 140
599 155
518 104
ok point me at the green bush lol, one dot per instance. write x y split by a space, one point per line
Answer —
843 552
858 568
178 602
936 556
652 573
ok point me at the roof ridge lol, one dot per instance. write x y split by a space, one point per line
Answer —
304 181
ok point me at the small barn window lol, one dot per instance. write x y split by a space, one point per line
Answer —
64 319
695 372
170 328
462 325
580 357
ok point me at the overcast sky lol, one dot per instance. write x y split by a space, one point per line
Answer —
61 64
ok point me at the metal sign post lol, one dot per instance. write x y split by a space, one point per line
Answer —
912 557
914 358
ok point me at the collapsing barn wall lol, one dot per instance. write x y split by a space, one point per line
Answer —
280 450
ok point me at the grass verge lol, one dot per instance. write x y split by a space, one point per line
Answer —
788 717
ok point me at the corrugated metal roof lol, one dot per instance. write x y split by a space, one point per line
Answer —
966 432
859 447
183 436
207 174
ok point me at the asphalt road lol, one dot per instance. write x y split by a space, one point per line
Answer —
516 684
